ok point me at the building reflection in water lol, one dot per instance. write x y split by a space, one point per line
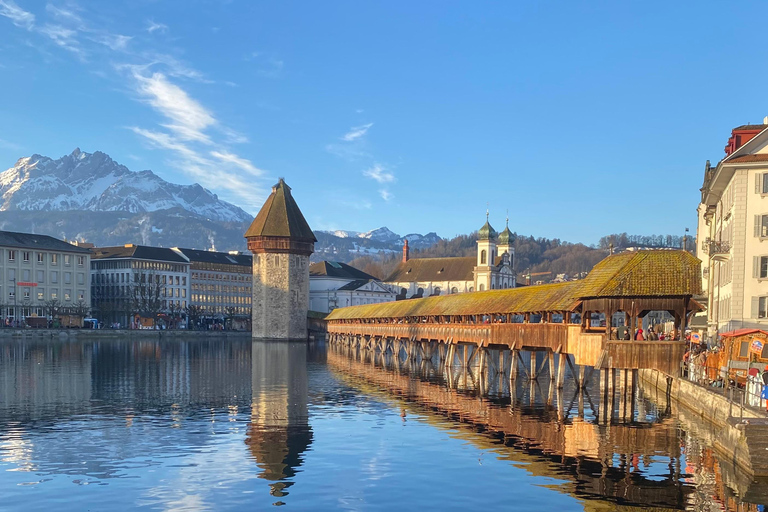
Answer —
279 432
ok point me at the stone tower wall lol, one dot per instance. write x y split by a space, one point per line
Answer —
280 296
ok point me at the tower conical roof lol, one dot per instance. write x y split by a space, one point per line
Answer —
280 217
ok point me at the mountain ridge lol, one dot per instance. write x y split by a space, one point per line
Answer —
95 182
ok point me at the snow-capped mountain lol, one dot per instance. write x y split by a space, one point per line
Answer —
94 182
382 239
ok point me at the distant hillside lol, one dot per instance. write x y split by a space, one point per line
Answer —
534 255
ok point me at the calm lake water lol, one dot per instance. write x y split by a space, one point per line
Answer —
236 425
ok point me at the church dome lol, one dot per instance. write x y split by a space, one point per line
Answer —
486 232
506 237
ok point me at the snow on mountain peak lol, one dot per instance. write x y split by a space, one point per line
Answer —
95 182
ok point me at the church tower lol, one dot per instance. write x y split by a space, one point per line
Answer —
507 251
281 242
486 256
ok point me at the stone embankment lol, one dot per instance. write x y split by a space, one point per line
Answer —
739 434
122 334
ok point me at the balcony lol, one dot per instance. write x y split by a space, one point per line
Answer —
716 249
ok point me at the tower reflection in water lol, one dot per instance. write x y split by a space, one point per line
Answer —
279 432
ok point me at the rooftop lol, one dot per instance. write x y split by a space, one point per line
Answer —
139 252
338 269
223 258
654 273
34 241
434 269
280 217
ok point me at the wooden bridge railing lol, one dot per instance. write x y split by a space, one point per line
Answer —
522 336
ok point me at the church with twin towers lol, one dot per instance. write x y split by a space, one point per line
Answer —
492 268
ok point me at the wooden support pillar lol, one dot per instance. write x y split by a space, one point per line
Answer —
579 382
514 356
561 370
551 356
533 375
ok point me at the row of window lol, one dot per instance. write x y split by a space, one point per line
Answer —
125 277
221 288
26 276
39 293
220 299
207 276
26 257
127 290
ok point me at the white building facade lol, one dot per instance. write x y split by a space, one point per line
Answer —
334 285
732 234
120 274
38 271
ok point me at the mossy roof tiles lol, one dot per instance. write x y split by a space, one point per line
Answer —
280 217
631 274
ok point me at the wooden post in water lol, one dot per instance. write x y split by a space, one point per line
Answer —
533 375
551 356
561 370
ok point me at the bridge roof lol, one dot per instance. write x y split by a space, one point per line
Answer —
545 297
657 273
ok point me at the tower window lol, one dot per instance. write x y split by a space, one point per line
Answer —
483 257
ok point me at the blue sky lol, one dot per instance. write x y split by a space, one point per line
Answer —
579 118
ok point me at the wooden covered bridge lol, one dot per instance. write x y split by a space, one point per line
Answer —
571 318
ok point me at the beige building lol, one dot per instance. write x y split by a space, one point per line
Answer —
220 285
732 233
38 271
492 268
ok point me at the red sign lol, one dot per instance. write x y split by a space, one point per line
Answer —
756 347
22 283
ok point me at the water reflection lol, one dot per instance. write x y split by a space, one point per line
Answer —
635 461
205 425
279 432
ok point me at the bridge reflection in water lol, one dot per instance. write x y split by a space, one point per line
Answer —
632 456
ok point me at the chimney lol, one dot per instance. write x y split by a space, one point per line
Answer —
406 251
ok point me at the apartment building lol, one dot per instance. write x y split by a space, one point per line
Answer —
131 284
732 233
38 272
220 284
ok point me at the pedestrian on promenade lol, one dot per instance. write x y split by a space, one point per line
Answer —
764 394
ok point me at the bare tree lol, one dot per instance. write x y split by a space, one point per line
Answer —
147 291
194 312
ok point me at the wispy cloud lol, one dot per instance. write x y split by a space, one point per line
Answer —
16 14
356 132
64 37
386 194
63 13
196 142
235 160
153 26
188 118
378 173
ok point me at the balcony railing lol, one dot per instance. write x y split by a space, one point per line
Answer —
713 247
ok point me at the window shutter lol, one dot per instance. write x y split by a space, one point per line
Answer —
758 176
755 266
755 303
757 225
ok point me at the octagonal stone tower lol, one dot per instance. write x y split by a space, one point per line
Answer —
281 242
